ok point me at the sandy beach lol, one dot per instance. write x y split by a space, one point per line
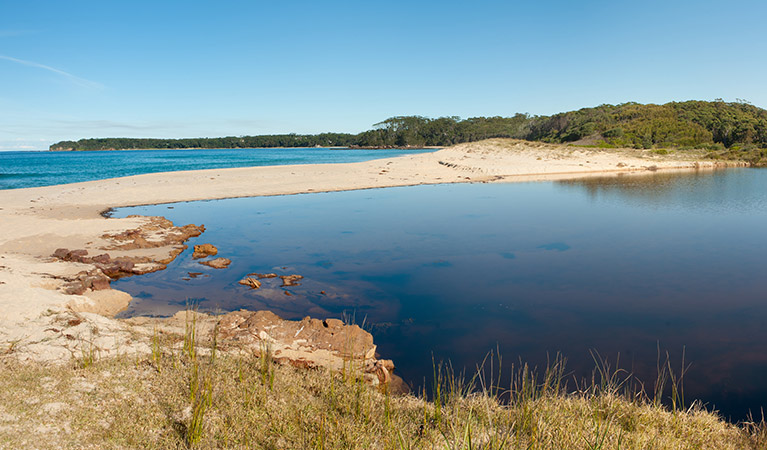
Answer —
39 292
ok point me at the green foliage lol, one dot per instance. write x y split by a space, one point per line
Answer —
692 124
403 131
736 130
264 141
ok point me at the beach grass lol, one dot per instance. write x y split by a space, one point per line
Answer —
186 394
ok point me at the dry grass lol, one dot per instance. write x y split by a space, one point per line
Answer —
182 396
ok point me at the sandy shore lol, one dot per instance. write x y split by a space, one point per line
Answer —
36 294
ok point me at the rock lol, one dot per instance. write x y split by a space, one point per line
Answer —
387 363
194 274
104 258
61 253
97 283
172 255
397 385
117 268
251 282
94 280
75 287
383 374
144 268
311 343
218 263
305 336
204 250
263 275
332 323
290 280
158 232
78 255
70 255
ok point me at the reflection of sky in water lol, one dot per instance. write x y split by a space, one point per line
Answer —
618 265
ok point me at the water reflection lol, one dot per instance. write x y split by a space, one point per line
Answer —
706 190
622 265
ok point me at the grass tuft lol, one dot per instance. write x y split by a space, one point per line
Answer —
189 393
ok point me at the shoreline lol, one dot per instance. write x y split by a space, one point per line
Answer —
40 221
426 147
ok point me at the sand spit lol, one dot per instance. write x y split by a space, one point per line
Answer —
53 307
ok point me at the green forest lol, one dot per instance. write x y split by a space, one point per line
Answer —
732 130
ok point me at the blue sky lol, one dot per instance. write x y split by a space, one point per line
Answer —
75 69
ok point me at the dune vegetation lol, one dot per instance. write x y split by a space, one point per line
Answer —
196 393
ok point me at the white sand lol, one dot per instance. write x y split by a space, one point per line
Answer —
37 221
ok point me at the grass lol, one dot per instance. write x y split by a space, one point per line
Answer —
89 354
192 394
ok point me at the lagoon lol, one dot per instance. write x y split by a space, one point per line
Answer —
625 266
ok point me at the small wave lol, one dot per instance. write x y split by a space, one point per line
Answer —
19 175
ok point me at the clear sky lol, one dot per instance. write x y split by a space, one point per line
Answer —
75 69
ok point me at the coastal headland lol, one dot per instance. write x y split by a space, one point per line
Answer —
58 251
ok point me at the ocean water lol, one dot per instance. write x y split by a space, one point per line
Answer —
628 267
32 169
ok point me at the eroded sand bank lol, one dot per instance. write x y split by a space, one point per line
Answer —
50 307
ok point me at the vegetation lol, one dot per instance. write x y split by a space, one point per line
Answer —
731 130
189 395
265 141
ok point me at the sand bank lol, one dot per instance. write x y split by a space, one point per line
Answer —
37 298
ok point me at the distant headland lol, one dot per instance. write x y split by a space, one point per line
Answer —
728 130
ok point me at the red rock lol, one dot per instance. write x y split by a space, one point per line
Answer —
290 280
97 282
118 268
102 259
218 263
78 255
204 250
251 282
70 255
263 275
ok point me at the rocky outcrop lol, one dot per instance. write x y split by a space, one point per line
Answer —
310 343
204 250
113 268
95 280
158 232
218 263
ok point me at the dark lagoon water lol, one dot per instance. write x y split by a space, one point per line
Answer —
625 266
32 169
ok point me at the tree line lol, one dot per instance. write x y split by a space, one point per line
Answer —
732 129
